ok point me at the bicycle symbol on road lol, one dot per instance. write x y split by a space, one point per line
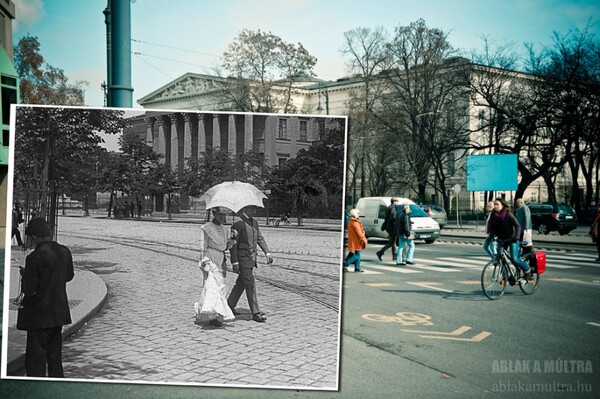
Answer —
403 318
414 319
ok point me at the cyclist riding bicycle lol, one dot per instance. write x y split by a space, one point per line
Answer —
504 225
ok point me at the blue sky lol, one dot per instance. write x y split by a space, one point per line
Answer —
175 37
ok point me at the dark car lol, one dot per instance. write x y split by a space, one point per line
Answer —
437 213
549 217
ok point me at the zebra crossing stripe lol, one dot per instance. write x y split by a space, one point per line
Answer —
397 269
430 286
447 263
434 268
479 262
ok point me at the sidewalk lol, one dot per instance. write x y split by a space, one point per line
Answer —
86 292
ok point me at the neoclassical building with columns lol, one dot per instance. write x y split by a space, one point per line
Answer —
315 97
178 135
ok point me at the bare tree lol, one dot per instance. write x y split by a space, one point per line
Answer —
423 89
366 49
549 116
569 91
261 70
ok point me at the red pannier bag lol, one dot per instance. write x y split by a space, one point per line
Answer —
540 261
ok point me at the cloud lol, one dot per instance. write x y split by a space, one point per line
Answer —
28 12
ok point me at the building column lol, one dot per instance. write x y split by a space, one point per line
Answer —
174 142
150 131
216 132
201 135
231 142
248 133
160 144
187 135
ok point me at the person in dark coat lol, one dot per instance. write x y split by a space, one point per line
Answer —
388 226
404 235
17 219
243 259
505 226
45 306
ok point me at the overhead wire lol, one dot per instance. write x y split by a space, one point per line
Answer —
175 48
152 66
191 51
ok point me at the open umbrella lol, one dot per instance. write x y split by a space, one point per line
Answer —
233 195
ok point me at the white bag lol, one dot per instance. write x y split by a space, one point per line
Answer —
527 238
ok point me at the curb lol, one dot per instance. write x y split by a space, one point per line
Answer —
87 294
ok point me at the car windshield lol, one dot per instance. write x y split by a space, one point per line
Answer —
417 212
565 209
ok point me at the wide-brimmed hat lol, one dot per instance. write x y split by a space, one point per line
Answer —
221 209
38 227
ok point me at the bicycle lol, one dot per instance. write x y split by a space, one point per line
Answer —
285 219
496 273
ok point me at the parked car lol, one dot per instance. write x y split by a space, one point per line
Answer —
372 214
437 213
549 217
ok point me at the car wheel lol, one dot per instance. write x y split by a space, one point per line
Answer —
543 229
429 241
564 232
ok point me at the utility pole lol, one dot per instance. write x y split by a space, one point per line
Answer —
118 20
106 85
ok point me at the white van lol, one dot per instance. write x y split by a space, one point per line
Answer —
372 214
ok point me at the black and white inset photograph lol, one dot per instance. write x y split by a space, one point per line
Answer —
174 247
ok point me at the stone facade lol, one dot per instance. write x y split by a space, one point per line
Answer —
181 135
313 96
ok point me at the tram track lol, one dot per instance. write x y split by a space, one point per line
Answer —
325 292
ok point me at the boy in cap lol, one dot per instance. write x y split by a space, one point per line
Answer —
45 307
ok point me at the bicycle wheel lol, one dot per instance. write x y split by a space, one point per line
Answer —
530 286
493 282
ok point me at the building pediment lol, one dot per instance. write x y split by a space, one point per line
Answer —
188 85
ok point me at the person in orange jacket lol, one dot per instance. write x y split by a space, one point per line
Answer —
357 241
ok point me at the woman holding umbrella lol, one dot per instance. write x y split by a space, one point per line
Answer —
242 198
214 241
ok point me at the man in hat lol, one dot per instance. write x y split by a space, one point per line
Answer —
45 307
243 258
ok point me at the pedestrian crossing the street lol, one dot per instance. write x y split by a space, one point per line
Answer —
450 264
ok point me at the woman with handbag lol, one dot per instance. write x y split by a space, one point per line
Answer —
214 241
595 232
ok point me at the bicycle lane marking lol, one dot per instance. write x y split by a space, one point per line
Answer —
413 319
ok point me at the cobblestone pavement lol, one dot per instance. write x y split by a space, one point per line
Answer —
146 332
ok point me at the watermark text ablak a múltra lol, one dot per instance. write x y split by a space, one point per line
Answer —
554 386
553 366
